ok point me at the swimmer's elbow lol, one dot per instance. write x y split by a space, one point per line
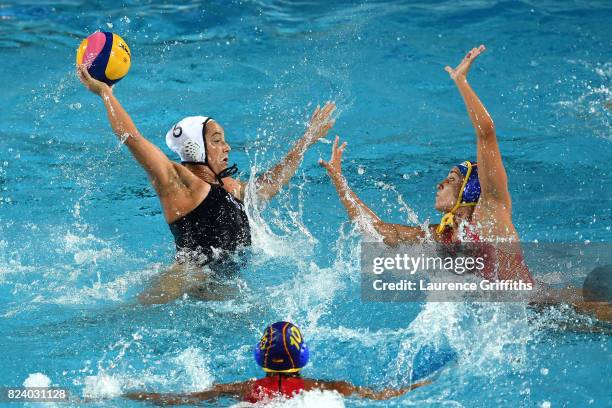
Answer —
265 188
389 232
486 128
265 193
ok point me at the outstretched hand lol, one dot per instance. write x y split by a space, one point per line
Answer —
91 83
320 123
334 166
463 68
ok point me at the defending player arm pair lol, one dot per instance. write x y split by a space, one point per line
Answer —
240 389
492 176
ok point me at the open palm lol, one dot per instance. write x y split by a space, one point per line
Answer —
463 68
334 166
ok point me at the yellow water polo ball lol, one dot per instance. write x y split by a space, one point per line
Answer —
106 55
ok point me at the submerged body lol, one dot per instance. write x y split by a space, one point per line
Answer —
504 260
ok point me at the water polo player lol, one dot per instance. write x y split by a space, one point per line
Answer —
281 353
201 201
477 207
473 197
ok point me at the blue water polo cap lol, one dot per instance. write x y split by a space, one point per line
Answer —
471 192
281 349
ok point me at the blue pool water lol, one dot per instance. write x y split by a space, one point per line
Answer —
81 231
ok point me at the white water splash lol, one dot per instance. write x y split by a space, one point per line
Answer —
102 386
196 367
37 380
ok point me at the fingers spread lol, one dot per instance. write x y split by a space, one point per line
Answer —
325 112
335 146
329 108
477 51
315 113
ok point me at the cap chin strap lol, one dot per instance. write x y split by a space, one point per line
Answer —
227 172
448 220
290 370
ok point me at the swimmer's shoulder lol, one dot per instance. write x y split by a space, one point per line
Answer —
184 192
189 181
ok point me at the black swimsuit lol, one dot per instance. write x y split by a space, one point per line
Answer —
219 222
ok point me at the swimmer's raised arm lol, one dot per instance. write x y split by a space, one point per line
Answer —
177 187
492 174
159 168
358 211
270 182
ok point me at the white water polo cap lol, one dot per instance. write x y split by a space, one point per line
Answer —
186 139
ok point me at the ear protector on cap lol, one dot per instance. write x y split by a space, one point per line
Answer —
186 139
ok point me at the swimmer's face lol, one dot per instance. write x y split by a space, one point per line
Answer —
448 190
217 149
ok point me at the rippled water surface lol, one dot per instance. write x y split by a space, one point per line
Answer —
81 231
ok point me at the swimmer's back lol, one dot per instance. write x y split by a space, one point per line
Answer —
275 386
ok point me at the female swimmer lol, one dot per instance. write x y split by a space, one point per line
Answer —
476 204
474 196
201 201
